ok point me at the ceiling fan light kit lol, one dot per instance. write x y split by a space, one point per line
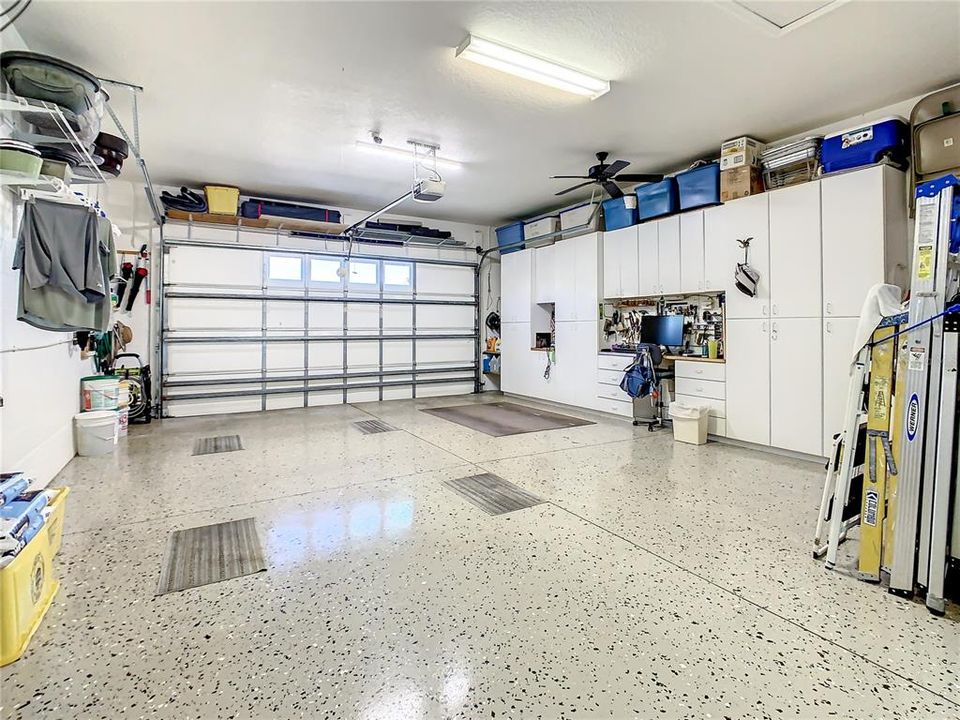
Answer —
530 67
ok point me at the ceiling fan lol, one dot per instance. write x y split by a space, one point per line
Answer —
607 176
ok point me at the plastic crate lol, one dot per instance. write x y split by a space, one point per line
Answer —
866 145
54 525
617 212
27 588
657 199
508 235
581 217
222 199
699 186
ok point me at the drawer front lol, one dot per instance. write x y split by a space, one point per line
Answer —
718 408
700 370
609 361
612 392
717 426
610 377
700 388
617 407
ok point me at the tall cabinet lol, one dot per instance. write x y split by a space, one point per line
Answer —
866 240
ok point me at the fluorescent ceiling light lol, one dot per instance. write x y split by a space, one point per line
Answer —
405 153
530 67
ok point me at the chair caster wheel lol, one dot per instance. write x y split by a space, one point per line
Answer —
636 422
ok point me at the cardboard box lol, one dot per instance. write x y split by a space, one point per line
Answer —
740 182
740 152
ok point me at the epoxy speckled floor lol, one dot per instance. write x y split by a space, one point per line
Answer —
659 581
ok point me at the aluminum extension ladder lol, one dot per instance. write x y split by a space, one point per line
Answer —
927 465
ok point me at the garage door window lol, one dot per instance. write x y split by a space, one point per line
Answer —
284 269
325 273
397 276
363 274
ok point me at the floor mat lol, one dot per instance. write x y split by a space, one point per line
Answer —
223 443
500 419
210 553
493 494
369 427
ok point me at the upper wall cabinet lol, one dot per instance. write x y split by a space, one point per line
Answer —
544 286
691 251
724 226
865 236
620 264
668 244
795 251
648 254
516 281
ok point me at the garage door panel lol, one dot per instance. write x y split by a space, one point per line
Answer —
205 267
445 317
193 314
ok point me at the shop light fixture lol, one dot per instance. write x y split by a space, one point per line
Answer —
516 62
405 153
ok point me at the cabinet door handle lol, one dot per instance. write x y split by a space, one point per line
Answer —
763 326
764 309
699 371
827 326
774 309
829 307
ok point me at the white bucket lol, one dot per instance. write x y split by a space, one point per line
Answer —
96 432
99 393
123 422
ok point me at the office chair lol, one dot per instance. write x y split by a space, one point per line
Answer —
647 379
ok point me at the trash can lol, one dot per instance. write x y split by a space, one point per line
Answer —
689 422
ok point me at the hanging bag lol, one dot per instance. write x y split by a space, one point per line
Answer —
745 276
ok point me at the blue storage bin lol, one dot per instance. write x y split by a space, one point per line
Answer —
617 215
866 145
509 234
699 186
656 199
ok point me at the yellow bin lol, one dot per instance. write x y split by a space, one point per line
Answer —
221 199
27 588
54 524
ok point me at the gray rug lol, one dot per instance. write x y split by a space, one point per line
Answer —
493 494
503 418
211 553
372 427
220 444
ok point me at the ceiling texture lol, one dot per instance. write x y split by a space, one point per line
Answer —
272 97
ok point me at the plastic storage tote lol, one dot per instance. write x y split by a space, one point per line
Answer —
620 212
540 227
27 588
221 199
866 145
699 186
657 199
581 217
689 423
508 235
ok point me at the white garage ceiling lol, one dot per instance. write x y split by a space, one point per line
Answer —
273 96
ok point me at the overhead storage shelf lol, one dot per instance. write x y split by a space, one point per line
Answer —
52 128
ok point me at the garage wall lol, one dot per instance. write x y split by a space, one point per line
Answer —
39 371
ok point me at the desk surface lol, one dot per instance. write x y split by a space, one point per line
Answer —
692 358
674 358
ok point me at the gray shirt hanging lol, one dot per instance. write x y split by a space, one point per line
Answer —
66 257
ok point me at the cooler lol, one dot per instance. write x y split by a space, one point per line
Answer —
866 145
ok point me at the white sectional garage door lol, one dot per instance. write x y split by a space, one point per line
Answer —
248 325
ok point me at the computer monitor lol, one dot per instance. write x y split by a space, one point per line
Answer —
662 330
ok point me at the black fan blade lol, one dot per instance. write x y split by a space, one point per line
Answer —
575 187
612 189
570 177
639 177
613 168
